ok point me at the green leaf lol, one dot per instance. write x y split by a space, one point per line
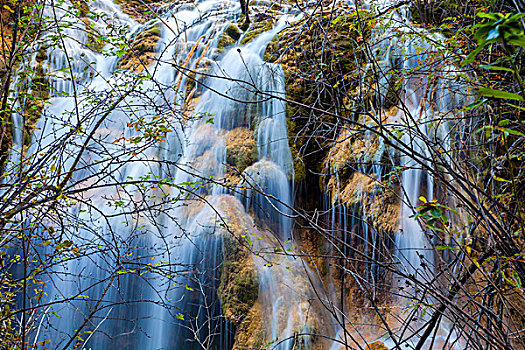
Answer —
436 213
492 16
470 58
180 316
474 104
512 132
518 41
492 67
518 107
488 92
500 179
516 278
517 16
445 247
65 244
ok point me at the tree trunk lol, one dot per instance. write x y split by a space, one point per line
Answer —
244 11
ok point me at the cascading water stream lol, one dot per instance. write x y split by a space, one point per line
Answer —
154 309
426 96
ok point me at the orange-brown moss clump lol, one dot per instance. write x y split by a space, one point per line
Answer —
241 152
350 187
141 10
239 288
250 332
142 51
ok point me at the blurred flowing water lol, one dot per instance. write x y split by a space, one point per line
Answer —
152 266
155 284
428 93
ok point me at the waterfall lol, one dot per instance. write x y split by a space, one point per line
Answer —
149 267
426 95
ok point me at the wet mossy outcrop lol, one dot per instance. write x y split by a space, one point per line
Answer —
228 38
35 100
141 53
250 331
195 81
239 285
320 58
239 288
141 10
241 148
241 152
319 62
261 22
362 186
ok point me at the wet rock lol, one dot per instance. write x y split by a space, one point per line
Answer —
140 10
196 78
251 332
241 148
141 53
260 24
351 155
233 32
239 287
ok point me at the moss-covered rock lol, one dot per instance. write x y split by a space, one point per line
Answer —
228 38
233 32
224 41
241 148
251 332
141 53
141 10
239 288
320 69
241 152
350 155
260 23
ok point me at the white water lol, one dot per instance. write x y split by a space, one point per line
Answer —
163 265
427 95
181 240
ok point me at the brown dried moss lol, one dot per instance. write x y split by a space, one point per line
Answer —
378 200
140 10
250 332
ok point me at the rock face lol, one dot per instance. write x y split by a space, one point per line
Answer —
353 180
241 152
239 287
140 10
141 53
334 158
